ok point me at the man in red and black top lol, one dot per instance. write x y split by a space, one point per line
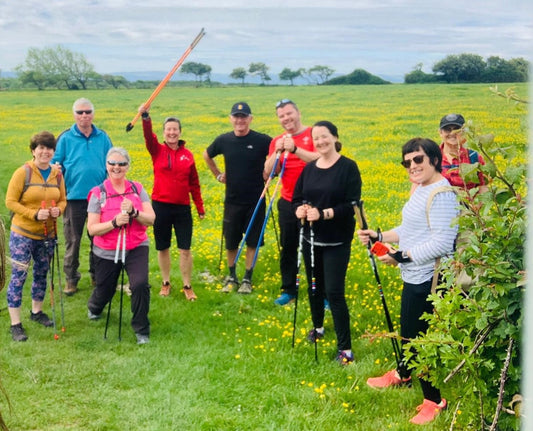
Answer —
175 179
297 141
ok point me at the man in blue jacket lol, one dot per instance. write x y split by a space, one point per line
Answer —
81 151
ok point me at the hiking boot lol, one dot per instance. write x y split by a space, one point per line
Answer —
189 293
41 318
165 289
230 283
142 339
427 411
93 316
71 289
391 378
313 336
246 286
344 358
18 333
284 299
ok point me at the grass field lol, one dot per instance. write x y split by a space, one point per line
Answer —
225 362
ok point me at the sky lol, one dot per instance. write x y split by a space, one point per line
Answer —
385 37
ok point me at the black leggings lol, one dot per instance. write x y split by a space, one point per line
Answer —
414 303
331 263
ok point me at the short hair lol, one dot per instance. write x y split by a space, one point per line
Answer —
120 151
44 138
429 147
82 101
332 129
172 119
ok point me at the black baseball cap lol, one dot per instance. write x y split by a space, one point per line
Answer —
241 108
452 120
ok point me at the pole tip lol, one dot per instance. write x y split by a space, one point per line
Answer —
129 127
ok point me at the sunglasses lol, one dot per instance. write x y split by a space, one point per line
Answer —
115 163
283 102
84 111
417 159
450 129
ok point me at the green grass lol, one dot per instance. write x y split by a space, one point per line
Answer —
225 362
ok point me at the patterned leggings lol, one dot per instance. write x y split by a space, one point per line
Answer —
22 250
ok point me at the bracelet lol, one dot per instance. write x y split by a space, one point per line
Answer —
114 223
136 214
294 150
219 177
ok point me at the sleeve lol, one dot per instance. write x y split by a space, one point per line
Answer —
297 196
214 149
150 138
94 205
14 193
353 191
194 185
62 202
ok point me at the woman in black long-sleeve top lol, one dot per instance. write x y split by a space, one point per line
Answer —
324 197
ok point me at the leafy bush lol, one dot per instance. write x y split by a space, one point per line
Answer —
357 77
474 334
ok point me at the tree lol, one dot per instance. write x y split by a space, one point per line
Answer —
290 75
357 77
55 67
461 68
417 76
115 81
261 70
239 73
197 69
319 74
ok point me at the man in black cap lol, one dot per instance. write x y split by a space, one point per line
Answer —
454 153
244 152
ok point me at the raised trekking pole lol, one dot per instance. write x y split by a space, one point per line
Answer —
361 220
63 329
256 209
300 251
269 209
123 265
167 78
51 270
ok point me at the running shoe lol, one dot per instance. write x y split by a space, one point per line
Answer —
93 316
18 333
284 299
41 318
189 293
246 287
165 289
390 378
142 339
230 284
313 336
344 358
428 411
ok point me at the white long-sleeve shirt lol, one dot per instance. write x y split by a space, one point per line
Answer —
424 243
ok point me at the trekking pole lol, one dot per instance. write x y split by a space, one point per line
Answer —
256 209
221 246
123 265
361 220
51 270
300 251
167 78
275 226
63 329
117 252
313 281
269 209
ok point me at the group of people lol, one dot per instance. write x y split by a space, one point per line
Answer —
83 178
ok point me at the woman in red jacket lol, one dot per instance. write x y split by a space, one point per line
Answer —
175 179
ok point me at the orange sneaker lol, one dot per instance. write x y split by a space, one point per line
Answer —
391 378
189 293
427 411
165 289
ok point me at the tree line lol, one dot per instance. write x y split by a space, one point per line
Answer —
470 68
58 67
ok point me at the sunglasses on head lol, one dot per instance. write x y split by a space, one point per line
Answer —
283 102
84 111
417 159
115 163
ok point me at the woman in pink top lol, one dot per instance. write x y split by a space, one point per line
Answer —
117 208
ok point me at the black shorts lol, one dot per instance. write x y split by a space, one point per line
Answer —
168 216
236 221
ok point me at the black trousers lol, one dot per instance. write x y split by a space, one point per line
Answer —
107 276
330 265
414 303
289 232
